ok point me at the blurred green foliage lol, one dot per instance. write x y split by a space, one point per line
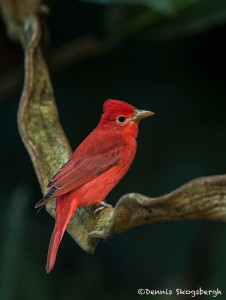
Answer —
163 19
170 58
11 250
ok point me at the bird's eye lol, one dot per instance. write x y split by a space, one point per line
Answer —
121 119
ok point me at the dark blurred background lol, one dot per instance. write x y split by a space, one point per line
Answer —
167 56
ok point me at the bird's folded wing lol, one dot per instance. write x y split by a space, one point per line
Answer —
77 172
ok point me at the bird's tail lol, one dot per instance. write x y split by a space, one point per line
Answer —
65 208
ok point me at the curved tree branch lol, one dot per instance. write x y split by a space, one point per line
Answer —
201 199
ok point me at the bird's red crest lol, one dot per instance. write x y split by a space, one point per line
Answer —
118 107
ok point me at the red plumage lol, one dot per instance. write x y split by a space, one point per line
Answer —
95 167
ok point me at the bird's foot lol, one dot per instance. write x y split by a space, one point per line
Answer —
103 205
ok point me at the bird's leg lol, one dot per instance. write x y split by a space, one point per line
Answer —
103 205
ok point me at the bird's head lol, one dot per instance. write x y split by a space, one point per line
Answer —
121 116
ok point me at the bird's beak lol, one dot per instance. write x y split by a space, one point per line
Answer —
141 114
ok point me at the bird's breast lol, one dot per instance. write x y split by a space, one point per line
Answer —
96 190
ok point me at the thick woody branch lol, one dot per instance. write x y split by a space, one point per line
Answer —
201 199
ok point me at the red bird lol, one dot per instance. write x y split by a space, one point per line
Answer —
95 167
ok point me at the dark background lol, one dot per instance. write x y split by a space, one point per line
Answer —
164 56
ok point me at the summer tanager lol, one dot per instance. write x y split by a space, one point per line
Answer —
95 167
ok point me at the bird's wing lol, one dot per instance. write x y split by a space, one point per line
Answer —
78 171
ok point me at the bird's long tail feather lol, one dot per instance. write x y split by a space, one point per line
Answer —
65 208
